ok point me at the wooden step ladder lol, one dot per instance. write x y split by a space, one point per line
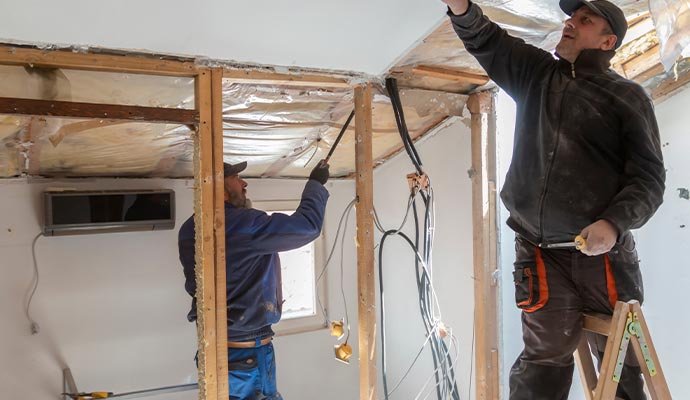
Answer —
627 324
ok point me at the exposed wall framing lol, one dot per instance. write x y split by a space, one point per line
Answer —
366 287
209 209
485 238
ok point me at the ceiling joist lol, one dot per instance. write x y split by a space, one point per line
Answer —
258 77
451 74
11 55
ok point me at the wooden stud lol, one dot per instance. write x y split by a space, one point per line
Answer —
451 75
205 243
69 109
219 231
366 290
253 76
11 55
485 238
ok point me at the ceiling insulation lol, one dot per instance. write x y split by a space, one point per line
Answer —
539 23
282 131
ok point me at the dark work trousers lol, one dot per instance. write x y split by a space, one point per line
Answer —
554 288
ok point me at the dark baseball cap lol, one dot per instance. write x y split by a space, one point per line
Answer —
233 169
609 11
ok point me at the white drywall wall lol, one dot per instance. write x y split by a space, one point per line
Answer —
357 35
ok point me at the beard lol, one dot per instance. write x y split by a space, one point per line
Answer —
238 199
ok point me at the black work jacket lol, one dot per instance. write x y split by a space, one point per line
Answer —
586 140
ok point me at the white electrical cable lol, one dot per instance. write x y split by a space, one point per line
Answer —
343 217
453 343
33 324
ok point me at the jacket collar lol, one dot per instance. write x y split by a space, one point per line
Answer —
590 61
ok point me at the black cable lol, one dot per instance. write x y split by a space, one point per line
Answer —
392 88
340 135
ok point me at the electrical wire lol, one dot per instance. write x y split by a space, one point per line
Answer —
343 217
33 324
429 307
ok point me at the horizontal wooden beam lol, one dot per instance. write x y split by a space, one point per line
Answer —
70 109
451 75
669 86
254 76
11 55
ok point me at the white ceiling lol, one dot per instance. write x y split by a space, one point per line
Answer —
357 35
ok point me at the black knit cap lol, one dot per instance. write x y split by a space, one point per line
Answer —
233 169
609 11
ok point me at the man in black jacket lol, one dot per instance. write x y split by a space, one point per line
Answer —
586 160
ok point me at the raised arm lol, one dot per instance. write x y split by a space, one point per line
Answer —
509 61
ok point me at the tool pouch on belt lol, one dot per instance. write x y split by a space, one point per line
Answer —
529 276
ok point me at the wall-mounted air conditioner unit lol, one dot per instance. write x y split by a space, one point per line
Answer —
81 212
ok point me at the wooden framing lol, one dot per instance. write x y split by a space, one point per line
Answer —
209 210
219 232
260 77
204 210
485 238
70 109
450 74
12 55
670 86
366 287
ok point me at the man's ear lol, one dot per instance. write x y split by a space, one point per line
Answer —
609 43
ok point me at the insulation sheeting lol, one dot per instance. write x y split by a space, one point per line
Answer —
538 22
96 87
284 131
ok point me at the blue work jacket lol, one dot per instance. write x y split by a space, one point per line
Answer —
252 242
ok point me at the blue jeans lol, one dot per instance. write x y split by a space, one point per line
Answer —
252 373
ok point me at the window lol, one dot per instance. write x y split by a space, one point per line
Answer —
299 270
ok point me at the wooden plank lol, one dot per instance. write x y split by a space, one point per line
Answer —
638 67
450 74
588 375
366 290
597 323
484 218
205 243
12 55
69 109
219 231
670 86
658 388
254 76
606 387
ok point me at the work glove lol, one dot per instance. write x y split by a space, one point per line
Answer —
320 172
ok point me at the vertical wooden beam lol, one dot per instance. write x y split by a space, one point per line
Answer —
485 250
205 241
366 291
219 232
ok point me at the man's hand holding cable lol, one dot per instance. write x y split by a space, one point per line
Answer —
458 7
320 172
600 237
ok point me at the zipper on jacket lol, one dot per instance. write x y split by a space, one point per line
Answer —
551 162
572 70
